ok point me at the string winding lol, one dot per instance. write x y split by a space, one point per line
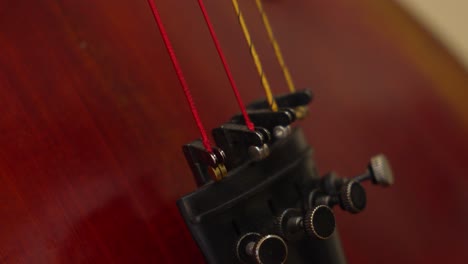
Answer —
180 75
248 122
266 86
276 47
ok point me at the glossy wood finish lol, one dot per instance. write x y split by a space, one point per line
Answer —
93 120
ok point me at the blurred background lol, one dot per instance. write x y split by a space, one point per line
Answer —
445 20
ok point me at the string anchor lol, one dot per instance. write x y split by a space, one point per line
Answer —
297 101
241 144
276 123
205 165
218 170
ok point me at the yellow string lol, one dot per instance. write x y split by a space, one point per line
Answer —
276 47
255 57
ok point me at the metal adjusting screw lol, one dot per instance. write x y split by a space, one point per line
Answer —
379 171
317 223
259 153
281 132
290 224
255 248
217 170
353 197
301 111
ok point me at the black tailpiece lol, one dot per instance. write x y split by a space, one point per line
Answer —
260 198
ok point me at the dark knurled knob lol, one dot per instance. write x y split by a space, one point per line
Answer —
269 249
353 197
319 222
381 170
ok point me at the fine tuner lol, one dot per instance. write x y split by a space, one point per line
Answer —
267 204
255 248
259 197
349 193
317 223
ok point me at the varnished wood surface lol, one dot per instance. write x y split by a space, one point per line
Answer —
93 119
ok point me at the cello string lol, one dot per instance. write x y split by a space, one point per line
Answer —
248 122
276 47
180 75
266 86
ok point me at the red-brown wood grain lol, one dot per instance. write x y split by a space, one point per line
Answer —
93 120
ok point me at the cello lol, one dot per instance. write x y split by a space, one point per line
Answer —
93 122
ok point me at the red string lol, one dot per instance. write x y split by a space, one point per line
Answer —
180 75
249 123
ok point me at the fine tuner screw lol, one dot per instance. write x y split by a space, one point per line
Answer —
255 248
259 153
318 223
379 171
351 197
281 132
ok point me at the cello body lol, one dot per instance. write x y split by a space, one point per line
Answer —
93 120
